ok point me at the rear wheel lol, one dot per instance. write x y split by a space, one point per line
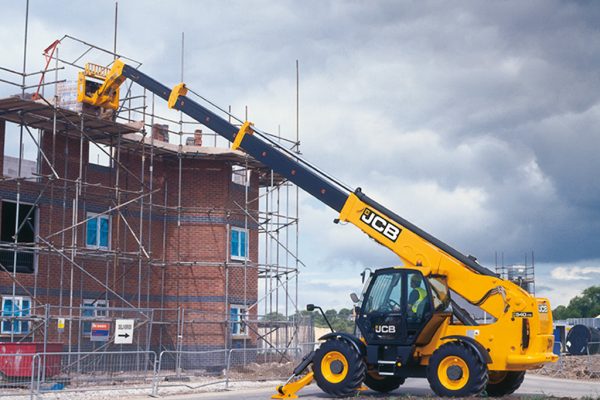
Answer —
455 370
339 368
502 383
382 384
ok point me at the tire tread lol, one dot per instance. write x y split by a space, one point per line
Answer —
508 385
477 369
356 369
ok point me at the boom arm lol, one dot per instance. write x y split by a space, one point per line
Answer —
315 182
414 246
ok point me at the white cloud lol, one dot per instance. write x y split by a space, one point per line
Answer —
576 273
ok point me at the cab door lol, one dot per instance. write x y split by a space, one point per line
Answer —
396 307
382 318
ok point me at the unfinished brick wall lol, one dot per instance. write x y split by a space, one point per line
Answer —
189 265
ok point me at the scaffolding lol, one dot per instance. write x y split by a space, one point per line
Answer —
271 317
520 273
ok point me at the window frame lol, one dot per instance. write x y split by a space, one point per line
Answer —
98 217
246 233
241 317
240 175
18 310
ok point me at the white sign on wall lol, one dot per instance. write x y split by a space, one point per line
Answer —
124 331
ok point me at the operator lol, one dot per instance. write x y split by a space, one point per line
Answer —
417 294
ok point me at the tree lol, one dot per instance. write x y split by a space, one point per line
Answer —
274 316
585 306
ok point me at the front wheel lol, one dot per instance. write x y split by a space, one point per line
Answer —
339 368
502 383
455 370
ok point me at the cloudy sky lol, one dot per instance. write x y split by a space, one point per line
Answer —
477 121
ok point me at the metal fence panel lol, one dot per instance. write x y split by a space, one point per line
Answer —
79 370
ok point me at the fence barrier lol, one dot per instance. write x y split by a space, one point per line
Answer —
266 355
197 363
75 371
593 356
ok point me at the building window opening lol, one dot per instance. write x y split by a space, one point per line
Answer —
25 237
92 309
15 307
237 317
28 151
240 175
100 154
97 230
239 244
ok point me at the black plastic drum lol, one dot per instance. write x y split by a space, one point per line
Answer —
581 337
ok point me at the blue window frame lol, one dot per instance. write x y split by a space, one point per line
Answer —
15 307
97 231
239 243
236 317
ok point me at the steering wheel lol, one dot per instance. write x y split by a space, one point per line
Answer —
393 304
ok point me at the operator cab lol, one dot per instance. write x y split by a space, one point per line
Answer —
398 304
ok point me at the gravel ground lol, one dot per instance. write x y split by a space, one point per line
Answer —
573 367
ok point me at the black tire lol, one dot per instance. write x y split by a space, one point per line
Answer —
456 370
383 384
349 379
502 383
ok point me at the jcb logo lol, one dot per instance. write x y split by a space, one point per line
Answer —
380 224
385 329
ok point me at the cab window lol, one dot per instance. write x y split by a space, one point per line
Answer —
385 293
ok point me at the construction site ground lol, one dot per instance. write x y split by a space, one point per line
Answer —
260 383
573 367
534 387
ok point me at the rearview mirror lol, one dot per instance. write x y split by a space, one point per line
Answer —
310 307
354 297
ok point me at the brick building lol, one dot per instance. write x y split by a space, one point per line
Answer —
161 233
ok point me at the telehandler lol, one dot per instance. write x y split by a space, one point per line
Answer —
408 323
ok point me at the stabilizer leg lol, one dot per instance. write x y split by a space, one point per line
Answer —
289 389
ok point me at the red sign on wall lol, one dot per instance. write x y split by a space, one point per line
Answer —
100 331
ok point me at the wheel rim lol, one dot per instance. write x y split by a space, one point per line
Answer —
334 367
453 373
495 377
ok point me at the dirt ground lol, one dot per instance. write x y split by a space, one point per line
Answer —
573 367
262 371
